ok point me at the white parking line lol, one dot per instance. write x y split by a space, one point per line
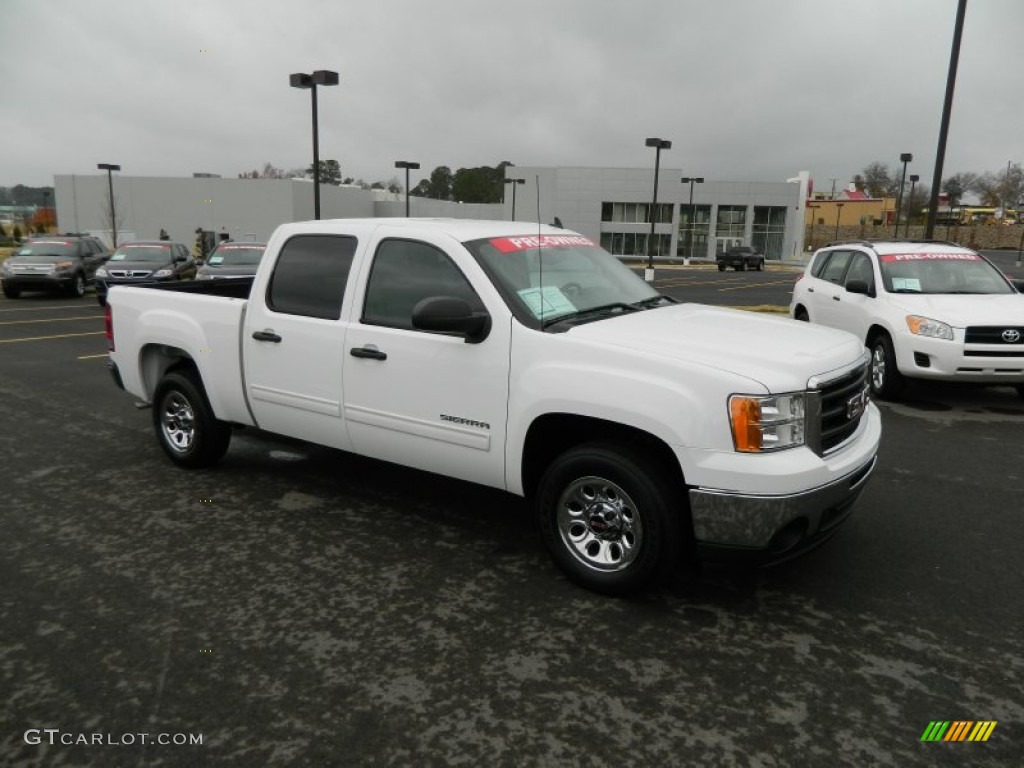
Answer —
42 338
50 320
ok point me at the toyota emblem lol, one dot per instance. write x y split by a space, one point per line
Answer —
1011 335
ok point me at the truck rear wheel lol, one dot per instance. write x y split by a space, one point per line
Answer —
611 523
184 422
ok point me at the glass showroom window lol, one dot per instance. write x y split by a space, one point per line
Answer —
769 230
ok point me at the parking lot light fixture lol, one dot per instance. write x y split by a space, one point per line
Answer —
905 158
408 165
658 144
109 168
691 180
311 81
514 183
914 178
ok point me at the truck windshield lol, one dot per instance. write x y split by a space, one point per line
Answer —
547 277
941 273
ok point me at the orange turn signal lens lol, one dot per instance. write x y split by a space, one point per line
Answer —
745 416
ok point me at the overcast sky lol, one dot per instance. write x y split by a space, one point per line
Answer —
745 89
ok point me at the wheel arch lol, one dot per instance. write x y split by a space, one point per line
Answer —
157 360
552 434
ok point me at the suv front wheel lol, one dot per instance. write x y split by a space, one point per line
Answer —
886 380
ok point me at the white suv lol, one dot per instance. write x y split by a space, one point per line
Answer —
925 310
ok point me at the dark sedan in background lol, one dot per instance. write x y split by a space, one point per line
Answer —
740 258
232 259
144 261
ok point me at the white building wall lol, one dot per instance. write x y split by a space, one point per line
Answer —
575 196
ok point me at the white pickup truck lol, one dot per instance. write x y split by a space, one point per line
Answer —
533 362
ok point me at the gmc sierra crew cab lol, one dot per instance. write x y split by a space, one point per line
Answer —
522 357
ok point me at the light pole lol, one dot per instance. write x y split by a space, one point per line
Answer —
905 158
408 165
46 210
658 144
109 167
914 178
691 180
514 183
302 80
839 210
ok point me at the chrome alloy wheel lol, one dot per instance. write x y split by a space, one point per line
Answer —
178 422
878 363
599 524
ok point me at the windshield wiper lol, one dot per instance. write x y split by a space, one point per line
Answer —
645 303
593 313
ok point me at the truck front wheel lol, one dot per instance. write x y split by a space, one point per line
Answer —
184 422
611 523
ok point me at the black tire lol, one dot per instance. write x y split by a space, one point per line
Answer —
760 265
886 380
1020 390
11 292
77 288
101 300
184 422
801 315
611 519
741 267
721 267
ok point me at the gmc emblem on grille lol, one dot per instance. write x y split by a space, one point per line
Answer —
855 405
1011 335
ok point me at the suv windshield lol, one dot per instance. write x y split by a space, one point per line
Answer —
154 253
243 255
48 248
940 273
548 278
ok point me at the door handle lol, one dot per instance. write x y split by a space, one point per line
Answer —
810 290
266 336
368 352
836 298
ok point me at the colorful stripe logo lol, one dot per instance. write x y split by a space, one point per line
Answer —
958 730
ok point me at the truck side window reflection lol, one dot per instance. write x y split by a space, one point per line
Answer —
310 276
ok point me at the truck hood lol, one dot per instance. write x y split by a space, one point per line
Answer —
962 310
778 353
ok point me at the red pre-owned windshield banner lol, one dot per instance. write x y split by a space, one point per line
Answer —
893 257
528 242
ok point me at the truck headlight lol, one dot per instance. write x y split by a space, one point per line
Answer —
163 273
767 423
925 326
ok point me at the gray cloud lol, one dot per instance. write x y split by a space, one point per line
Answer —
745 89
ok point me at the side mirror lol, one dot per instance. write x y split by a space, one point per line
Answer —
447 314
179 259
860 286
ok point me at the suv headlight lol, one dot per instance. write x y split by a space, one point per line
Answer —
767 423
163 273
6 268
925 326
101 272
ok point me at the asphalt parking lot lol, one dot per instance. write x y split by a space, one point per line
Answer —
297 605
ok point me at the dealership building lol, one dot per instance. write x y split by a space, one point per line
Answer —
609 205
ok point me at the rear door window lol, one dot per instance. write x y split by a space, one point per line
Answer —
310 276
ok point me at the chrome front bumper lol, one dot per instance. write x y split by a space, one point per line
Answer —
776 524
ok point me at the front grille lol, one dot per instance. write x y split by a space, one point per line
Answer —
839 416
32 269
129 273
993 334
995 353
